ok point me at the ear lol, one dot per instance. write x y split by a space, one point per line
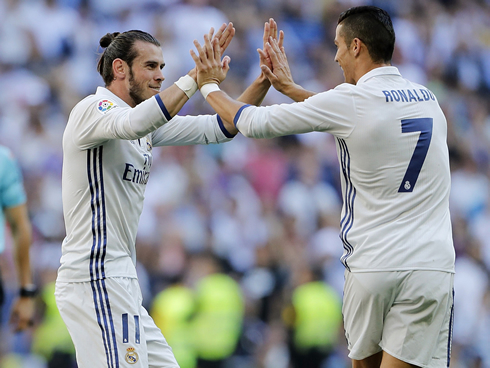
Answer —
356 46
120 69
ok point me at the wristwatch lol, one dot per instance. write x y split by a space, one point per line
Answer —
28 291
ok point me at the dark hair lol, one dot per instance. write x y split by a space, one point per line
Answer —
372 26
120 46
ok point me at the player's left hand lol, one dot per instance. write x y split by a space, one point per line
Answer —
22 314
210 68
279 75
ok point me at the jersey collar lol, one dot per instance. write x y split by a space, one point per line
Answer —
383 70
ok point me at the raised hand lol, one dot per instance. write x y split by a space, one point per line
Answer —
278 72
270 30
224 35
210 68
255 93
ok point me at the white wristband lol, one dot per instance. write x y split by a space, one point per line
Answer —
208 88
187 84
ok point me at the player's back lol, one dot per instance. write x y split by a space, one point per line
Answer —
396 179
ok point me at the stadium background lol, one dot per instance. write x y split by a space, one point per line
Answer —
264 212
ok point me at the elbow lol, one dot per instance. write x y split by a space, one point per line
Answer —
250 133
137 130
246 133
246 130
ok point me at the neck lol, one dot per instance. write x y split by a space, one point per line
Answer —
122 91
366 68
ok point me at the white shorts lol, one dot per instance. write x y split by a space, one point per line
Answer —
110 327
408 314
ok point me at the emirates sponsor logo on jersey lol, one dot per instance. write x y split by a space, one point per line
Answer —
138 176
104 106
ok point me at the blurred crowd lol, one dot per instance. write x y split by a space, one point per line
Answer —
240 241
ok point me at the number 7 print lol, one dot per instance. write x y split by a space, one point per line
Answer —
424 126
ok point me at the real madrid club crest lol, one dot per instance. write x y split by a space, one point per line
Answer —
149 147
131 356
104 106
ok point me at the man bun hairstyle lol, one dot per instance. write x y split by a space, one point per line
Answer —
120 46
373 27
107 39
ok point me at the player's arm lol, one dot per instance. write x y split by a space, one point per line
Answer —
255 93
211 71
93 127
321 112
189 130
20 225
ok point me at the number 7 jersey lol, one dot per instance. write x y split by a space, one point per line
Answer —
394 167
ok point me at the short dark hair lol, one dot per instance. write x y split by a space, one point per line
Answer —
372 26
120 46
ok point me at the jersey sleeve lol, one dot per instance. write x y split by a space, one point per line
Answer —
187 130
333 111
95 121
11 187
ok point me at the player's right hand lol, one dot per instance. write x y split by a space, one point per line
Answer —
224 35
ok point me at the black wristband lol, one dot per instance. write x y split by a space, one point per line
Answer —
28 291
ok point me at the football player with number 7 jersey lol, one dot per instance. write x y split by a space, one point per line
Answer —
394 167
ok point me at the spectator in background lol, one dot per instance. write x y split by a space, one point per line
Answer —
316 320
51 339
218 319
13 208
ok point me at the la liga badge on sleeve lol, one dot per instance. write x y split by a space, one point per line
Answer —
104 106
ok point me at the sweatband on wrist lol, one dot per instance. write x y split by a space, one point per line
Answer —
187 84
208 88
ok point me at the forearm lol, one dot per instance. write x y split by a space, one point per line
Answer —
175 96
21 234
255 93
296 92
174 99
226 108
23 243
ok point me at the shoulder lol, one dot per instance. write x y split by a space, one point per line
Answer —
337 98
10 171
7 159
4 153
90 110
96 103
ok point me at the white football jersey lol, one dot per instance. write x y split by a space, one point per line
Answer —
394 167
107 157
